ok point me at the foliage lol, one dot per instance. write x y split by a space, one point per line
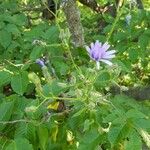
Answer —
67 103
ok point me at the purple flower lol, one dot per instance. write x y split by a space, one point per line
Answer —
98 52
40 62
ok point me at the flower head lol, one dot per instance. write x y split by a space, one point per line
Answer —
98 52
40 62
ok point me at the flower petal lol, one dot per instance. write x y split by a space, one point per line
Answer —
97 43
110 52
106 61
92 46
88 49
105 46
95 54
108 56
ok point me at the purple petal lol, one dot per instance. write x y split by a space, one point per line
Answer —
95 54
108 56
40 62
92 46
88 49
105 46
98 44
110 52
106 61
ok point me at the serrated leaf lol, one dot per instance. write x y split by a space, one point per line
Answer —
19 82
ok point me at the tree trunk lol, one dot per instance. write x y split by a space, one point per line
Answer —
74 23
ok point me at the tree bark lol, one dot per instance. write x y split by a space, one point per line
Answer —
74 23
138 93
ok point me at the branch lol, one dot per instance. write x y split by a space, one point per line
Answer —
14 121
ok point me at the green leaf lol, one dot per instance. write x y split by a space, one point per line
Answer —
26 130
5 38
36 52
12 28
133 113
19 144
2 25
87 124
120 36
43 137
133 54
134 141
55 88
89 140
124 67
61 67
13 46
79 112
142 123
6 109
19 82
19 19
52 35
113 134
119 133
4 77
144 41
102 80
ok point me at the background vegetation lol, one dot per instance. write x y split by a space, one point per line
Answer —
68 104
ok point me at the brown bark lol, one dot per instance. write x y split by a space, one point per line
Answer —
138 93
74 23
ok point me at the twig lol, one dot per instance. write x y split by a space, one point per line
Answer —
14 121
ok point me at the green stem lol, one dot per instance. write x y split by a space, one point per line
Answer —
119 13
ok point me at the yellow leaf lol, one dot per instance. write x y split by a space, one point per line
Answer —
53 105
